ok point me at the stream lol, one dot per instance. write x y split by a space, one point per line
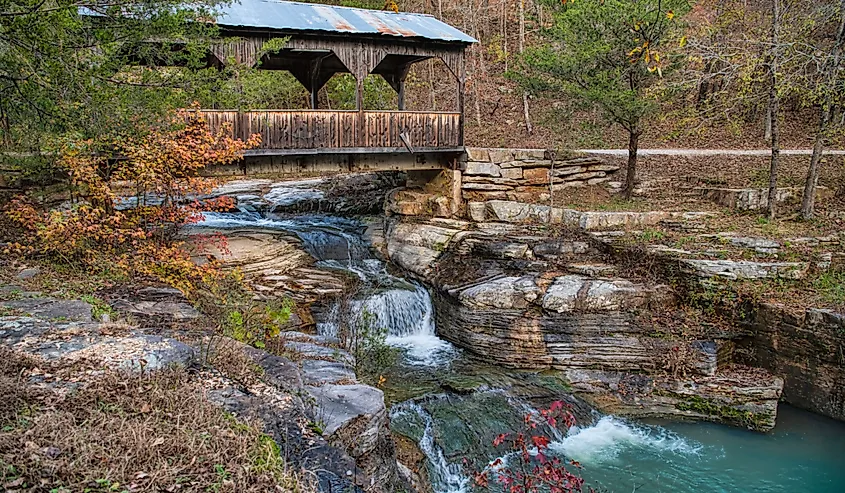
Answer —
452 406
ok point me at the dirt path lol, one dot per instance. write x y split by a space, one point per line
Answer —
711 152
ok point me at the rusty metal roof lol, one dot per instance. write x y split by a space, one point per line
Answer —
297 16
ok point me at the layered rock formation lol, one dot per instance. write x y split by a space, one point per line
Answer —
524 297
806 349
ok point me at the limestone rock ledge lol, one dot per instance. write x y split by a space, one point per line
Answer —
736 395
524 297
353 450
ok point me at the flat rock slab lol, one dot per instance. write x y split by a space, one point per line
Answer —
52 308
339 405
320 372
166 310
574 292
74 341
504 293
744 269
132 353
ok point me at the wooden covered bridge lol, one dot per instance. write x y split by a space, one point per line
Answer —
325 40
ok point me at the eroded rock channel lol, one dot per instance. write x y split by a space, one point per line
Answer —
494 317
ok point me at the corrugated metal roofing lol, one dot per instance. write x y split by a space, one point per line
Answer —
297 16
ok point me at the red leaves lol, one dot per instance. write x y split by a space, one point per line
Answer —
540 441
163 164
529 468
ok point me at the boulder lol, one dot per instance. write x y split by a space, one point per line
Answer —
573 292
320 372
52 308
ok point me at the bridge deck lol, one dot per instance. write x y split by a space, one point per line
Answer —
337 131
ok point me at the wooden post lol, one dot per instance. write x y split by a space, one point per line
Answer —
359 103
461 112
315 81
401 95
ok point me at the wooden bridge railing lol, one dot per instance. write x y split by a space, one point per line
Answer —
329 129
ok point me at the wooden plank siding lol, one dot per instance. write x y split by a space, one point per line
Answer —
316 129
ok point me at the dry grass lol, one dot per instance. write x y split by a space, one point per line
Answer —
129 433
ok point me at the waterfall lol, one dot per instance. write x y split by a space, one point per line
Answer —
403 309
444 477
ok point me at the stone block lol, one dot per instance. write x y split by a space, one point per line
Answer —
568 170
596 181
478 154
483 196
603 167
529 154
441 207
482 168
536 176
500 155
512 173
477 211
568 184
516 212
490 180
585 176
488 187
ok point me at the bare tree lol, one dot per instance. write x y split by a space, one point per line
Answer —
830 82
525 109
774 101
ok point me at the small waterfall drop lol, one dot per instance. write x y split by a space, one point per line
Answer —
445 477
403 308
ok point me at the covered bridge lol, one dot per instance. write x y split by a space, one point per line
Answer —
324 40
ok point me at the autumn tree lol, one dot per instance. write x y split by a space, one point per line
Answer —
104 231
81 69
527 465
611 55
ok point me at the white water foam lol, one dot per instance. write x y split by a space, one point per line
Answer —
408 316
610 436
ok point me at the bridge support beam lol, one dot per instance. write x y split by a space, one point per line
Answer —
429 163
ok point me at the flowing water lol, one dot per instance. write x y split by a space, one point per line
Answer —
805 452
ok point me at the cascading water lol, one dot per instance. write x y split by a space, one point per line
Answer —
444 477
804 453
401 307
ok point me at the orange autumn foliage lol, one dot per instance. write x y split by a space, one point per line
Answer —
133 237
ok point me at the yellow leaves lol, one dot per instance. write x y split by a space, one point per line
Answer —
683 41
670 15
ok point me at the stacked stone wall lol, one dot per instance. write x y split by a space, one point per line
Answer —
527 175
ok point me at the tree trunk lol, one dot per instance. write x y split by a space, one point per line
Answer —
809 199
525 109
773 105
767 124
631 175
808 202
